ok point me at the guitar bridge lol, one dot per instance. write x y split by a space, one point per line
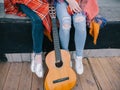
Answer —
61 80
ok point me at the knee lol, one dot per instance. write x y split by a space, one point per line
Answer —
79 19
80 23
66 23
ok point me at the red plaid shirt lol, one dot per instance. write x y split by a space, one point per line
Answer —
41 7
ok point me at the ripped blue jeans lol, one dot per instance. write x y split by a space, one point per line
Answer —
79 22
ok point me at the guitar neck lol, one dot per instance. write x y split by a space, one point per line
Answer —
56 40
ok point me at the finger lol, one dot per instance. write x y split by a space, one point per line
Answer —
79 9
75 10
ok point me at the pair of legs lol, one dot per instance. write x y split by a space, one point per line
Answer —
37 36
79 22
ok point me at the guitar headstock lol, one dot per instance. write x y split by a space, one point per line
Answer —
52 11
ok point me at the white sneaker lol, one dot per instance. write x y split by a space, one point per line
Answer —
39 66
78 64
33 62
36 64
39 70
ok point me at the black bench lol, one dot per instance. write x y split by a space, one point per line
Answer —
15 37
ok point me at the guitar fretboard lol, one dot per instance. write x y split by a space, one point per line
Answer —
55 34
56 40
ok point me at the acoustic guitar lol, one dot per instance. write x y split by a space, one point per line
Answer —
60 75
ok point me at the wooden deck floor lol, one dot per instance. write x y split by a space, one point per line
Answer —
99 74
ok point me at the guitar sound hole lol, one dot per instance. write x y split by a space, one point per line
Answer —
61 80
59 64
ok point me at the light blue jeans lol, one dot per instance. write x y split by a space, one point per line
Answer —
79 22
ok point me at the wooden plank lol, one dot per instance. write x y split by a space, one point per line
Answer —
4 68
115 65
12 80
110 73
26 77
87 78
18 76
78 85
100 74
37 83
117 59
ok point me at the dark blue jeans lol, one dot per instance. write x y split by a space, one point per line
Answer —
37 28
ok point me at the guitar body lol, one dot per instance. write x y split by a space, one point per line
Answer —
59 78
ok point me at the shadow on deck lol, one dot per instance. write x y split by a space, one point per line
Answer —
99 74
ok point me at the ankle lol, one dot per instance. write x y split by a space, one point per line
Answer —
78 58
38 57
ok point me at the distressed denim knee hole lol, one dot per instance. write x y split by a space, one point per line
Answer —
79 18
66 25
